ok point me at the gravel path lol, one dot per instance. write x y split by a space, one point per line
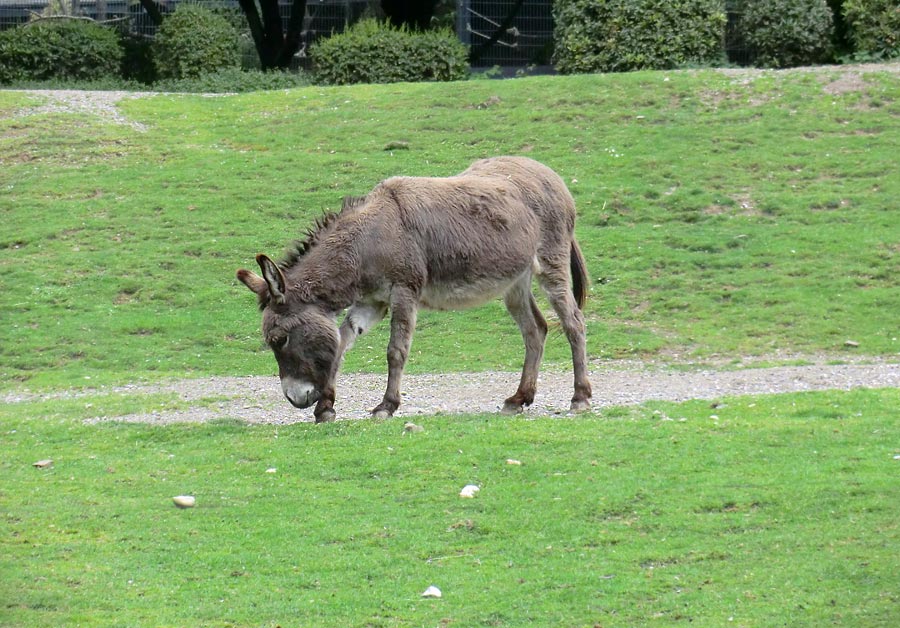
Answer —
101 104
259 400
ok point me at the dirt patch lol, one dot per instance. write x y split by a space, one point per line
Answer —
850 82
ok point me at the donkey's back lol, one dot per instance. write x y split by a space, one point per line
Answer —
471 235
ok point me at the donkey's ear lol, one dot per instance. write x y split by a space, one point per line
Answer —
253 281
273 277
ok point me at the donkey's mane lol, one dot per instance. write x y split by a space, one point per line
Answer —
314 234
299 248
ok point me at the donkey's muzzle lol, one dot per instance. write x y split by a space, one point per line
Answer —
301 394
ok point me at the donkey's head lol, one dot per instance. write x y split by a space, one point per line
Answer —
303 336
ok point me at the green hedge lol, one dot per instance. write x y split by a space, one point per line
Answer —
623 35
64 49
194 41
787 33
873 27
376 52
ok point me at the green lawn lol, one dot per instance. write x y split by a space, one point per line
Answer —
721 214
778 510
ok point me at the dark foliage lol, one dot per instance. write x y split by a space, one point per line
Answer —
64 49
194 41
375 52
787 33
873 28
623 35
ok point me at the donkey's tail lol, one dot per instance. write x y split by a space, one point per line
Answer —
579 275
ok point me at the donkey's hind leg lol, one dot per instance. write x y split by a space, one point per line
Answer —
554 280
523 308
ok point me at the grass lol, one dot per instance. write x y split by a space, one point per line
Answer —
774 510
720 215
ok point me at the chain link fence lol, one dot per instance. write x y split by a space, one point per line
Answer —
323 17
506 33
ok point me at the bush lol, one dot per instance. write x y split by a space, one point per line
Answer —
59 49
233 80
194 41
375 52
623 35
873 27
786 33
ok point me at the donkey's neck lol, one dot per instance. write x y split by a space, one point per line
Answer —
326 275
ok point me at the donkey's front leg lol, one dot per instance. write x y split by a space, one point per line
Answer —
358 321
404 302
324 411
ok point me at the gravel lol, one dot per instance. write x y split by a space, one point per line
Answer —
102 104
258 400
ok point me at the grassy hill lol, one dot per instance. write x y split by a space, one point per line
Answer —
722 213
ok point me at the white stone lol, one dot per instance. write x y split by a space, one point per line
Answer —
432 591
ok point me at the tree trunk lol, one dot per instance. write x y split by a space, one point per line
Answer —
274 47
153 11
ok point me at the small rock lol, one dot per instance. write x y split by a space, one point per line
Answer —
184 501
469 491
432 592
490 102
397 145
412 427
42 464
851 343
512 462
271 470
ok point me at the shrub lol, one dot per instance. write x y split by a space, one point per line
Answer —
873 27
375 52
59 49
233 80
623 35
786 33
194 41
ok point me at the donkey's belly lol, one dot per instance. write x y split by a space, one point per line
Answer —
459 296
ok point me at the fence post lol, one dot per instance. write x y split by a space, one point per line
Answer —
462 17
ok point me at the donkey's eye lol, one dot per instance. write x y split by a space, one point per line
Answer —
280 342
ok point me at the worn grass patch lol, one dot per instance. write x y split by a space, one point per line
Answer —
776 510
720 213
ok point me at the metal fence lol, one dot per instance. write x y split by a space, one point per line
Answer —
322 16
506 33
500 32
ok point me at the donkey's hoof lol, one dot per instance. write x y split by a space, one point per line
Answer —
509 409
381 414
326 416
582 405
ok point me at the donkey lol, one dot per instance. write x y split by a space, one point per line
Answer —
439 243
